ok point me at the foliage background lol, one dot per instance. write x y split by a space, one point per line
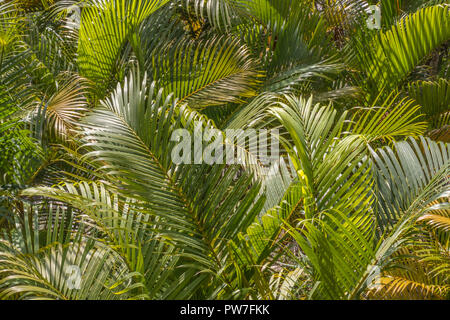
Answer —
357 207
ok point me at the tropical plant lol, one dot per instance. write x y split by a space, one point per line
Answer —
355 205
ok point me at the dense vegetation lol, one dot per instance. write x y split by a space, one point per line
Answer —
356 205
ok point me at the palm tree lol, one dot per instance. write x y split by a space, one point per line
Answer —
354 207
